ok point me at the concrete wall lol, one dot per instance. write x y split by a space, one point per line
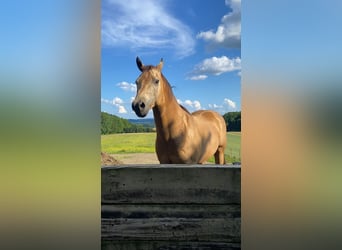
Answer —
171 207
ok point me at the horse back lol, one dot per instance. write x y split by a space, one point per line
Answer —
211 120
210 117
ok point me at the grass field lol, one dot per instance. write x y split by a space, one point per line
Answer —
145 143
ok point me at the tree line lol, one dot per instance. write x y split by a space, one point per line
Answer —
113 124
233 121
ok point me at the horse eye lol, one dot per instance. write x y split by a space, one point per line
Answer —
156 81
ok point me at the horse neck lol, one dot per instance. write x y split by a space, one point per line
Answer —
167 112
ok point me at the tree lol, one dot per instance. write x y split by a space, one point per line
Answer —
112 124
233 121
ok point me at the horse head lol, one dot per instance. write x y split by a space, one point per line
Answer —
148 87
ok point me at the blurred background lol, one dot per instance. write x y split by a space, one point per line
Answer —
50 124
291 125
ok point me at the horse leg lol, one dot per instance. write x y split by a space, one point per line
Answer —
219 155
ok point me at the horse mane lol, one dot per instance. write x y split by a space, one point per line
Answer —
187 111
170 89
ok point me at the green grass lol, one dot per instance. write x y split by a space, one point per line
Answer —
232 151
128 143
144 143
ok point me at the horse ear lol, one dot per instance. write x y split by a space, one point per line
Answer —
160 65
140 64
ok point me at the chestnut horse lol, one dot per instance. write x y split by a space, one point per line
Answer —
181 137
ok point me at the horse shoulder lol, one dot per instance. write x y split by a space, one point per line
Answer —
210 122
208 116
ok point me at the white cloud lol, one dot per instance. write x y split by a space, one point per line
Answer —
196 105
226 106
106 101
188 102
122 110
228 33
230 103
144 24
127 86
217 65
215 106
198 77
117 101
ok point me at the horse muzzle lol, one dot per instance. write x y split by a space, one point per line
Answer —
140 108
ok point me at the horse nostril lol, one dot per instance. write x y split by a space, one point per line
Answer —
142 105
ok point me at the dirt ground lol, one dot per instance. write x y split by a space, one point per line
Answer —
134 158
107 160
137 158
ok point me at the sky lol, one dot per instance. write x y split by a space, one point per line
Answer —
199 42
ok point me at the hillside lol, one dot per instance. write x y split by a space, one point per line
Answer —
113 124
148 122
232 119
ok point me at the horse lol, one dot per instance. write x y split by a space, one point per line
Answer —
182 137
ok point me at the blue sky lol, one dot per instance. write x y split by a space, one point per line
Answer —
199 42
